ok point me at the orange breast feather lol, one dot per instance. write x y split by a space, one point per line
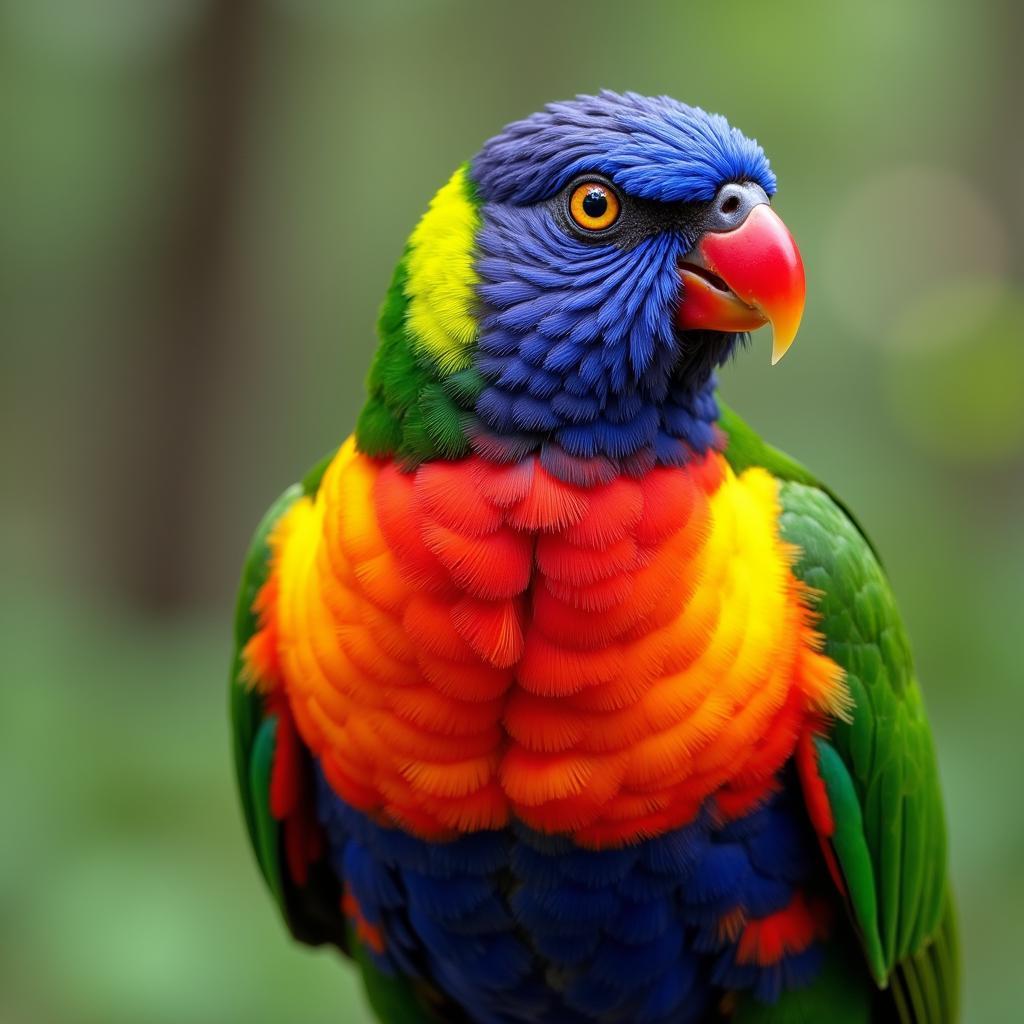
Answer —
471 642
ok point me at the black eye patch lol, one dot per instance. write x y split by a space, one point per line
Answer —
638 218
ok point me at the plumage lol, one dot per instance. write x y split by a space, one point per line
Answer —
559 695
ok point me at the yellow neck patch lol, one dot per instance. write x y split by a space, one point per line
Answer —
441 284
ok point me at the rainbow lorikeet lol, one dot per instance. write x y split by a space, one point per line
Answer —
559 695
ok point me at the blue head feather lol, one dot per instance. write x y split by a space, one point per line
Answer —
652 147
578 346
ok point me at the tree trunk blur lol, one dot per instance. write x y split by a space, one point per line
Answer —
184 337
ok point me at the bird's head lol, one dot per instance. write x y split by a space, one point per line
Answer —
572 289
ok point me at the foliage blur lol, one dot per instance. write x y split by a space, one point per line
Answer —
200 205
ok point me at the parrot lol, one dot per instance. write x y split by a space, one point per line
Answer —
558 695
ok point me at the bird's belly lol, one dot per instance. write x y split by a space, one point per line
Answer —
471 645
515 926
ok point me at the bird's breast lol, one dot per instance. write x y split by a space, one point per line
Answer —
472 642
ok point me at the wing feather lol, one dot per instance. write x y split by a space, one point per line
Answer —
310 905
879 769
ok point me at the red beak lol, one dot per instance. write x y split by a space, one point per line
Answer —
739 280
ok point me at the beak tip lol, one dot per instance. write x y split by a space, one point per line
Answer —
780 346
784 331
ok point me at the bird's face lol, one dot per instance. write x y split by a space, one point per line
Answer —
572 289
625 236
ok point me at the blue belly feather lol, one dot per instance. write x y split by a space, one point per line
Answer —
522 928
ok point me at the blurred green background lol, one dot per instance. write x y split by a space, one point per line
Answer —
201 202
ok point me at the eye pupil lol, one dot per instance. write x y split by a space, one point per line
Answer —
595 203
594 206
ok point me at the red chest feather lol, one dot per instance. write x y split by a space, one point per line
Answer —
472 641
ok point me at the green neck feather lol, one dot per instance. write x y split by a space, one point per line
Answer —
422 384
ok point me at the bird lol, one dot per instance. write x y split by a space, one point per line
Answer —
558 695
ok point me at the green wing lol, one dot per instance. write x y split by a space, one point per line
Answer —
747 448
878 770
312 910
253 730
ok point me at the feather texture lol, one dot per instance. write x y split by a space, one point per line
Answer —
559 696
475 587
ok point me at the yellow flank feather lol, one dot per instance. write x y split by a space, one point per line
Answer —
442 280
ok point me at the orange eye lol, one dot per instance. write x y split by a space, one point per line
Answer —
594 206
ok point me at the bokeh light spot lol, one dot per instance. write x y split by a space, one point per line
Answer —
954 375
898 236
